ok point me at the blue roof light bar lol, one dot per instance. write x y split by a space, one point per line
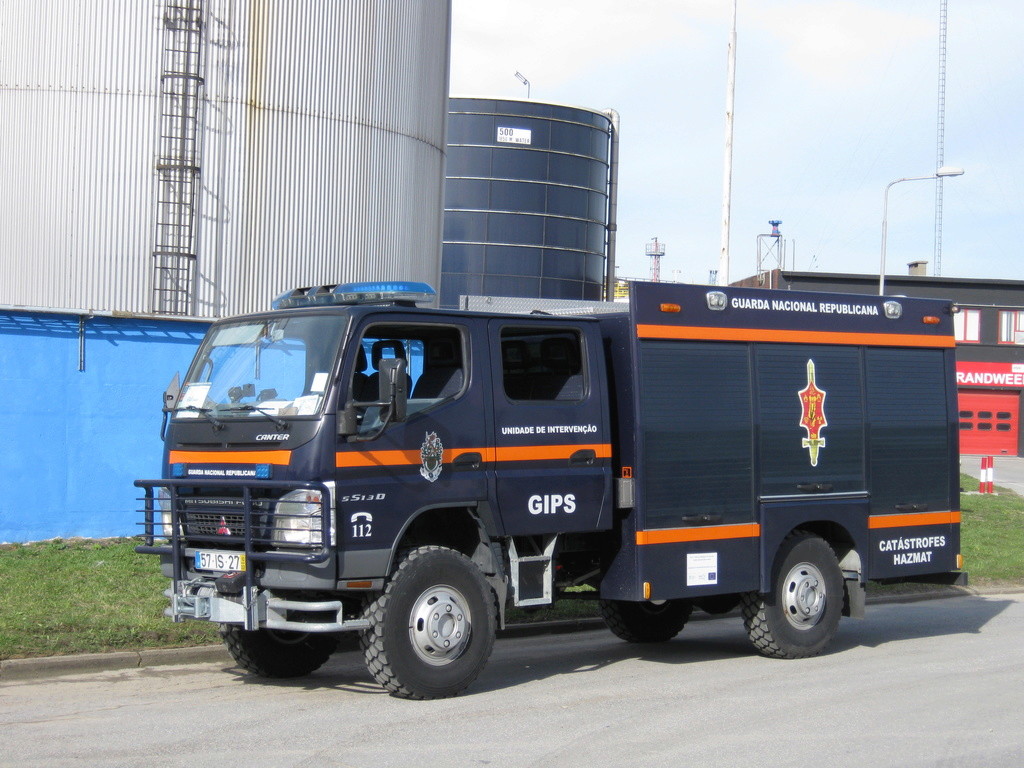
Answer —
405 293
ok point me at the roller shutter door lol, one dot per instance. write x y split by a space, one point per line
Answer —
989 422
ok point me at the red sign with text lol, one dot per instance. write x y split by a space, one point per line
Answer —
969 374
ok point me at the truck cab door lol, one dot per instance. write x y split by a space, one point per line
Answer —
552 447
389 472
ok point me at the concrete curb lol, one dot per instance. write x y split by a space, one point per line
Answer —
14 670
57 666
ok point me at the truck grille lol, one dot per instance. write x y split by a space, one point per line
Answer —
223 518
270 520
212 524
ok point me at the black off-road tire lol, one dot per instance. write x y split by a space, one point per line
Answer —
718 604
277 653
645 622
432 628
801 615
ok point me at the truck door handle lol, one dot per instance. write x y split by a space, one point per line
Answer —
583 458
702 519
469 460
911 507
814 487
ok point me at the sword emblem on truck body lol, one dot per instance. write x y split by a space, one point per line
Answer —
812 417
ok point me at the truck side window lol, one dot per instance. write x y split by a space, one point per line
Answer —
435 360
542 364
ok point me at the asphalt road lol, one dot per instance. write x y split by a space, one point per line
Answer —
1008 471
918 684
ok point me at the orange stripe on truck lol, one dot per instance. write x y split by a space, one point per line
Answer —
350 459
541 452
800 337
282 458
377 458
706 533
913 518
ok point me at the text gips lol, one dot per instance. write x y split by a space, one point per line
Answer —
552 503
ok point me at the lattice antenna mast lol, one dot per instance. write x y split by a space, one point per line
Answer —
940 137
655 251
771 254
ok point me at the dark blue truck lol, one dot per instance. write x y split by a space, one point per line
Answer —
352 462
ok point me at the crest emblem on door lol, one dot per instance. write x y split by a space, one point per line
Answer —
812 417
431 457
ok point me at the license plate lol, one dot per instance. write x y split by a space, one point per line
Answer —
213 560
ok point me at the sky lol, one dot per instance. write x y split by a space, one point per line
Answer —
834 100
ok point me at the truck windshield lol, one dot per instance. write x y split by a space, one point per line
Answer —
266 368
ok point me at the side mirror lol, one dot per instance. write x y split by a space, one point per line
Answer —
392 399
171 393
394 386
170 398
348 420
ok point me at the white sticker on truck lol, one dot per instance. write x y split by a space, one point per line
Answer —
701 568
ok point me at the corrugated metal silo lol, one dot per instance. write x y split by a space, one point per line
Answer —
526 200
319 157
77 84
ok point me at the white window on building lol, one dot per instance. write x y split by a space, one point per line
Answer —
1011 328
967 326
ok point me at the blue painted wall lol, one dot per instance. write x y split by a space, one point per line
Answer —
73 441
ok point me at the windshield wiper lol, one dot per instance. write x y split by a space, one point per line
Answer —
269 414
206 413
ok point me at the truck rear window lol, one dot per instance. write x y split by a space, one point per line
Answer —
539 364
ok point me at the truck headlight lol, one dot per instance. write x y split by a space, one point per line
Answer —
297 519
163 500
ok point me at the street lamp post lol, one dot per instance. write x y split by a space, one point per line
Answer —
941 173
522 79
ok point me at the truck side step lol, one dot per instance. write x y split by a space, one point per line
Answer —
532 575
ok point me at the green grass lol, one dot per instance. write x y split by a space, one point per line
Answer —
992 535
563 610
86 596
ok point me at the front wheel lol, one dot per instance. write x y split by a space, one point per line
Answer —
432 629
801 614
274 653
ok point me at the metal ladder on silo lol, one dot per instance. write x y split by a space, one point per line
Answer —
179 157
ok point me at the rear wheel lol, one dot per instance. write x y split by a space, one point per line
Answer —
275 653
801 615
432 629
645 622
